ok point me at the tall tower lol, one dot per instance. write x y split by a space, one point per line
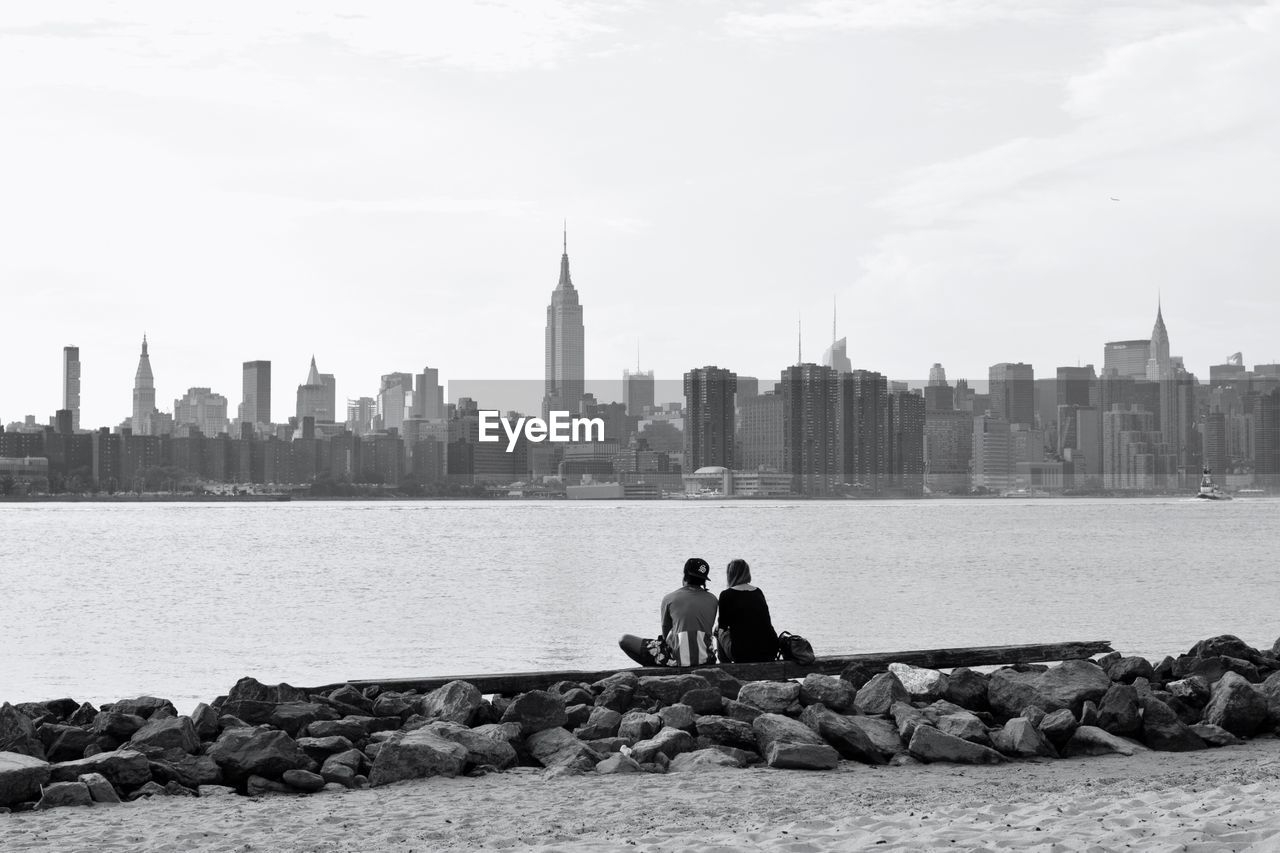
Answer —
1158 362
255 407
565 373
317 396
144 395
1013 392
71 384
709 417
836 355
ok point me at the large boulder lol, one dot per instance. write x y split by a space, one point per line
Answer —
124 768
536 710
922 685
701 759
704 700
1194 691
828 690
1091 740
721 681
190 771
559 748
771 697
1215 735
21 776
616 691
61 794
167 733
678 716
723 730
639 725
775 728
254 702
907 717
878 695
1162 730
116 725
18 733
1237 706
1068 685
1118 711
1226 645
294 717
481 749
856 674
100 790
929 744
882 734
603 722
669 742
967 688
64 743
458 701
145 707
618 763
1213 667
417 755
1126 670
801 756
1270 689
251 752
1058 727
667 689
841 732
965 726
740 711
320 748
1022 739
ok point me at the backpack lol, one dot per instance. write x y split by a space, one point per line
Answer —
795 648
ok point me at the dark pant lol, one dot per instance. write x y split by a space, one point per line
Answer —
725 642
637 649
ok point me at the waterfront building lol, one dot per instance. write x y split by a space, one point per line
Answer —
255 395
993 466
564 339
865 425
1134 454
1215 445
948 449
760 442
709 417
810 427
71 384
1012 390
906 442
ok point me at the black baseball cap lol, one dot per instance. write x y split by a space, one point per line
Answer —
696 569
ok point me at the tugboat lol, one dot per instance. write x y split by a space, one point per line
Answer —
1209 490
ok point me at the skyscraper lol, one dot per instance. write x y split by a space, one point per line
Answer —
864 422
202 409
395 400
709 417
810 427
317 396
938 395
565 373
255 406
637 391
1127 358
428 395
144 395
71 383
1013 393
836 356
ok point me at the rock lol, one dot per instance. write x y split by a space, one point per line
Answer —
882 734
146 707
64 743
835 693
801 756
703 701
1058 727
21 776
1036 715
1194 691
1226 645
638 725
258 786
1118 711
929 744
249 752
117 725
878 695
205 721
775 728
124 768
100 790
922 685
577 715
770 697
481 749
618 764
700 759
1068 685
727 731
18 733
294 717
907 717
216 791
1214 735
721 681
82 716
303 780
1164 669
64 794
1126 669
350 696
1214 667
965 726
320 748
558 748
417 755
738 711
678 716
856 674
341 768
1091 740
536 711
669 742
842 733
967 688
1162 730
667 689
1237 706
577 696
392 705
512 733
606 745
348 728
167 733
1021 738
1270 689
458 701
1089 714
616 691
603 722
190 771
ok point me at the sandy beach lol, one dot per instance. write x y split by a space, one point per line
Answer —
1214 800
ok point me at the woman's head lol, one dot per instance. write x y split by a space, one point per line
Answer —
739 572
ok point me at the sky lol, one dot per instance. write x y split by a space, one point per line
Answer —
384 185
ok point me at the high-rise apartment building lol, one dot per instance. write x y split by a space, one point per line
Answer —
71 384
428 395
906 442
637 391
810 427
255 405
144 395
202 409
565 371
760 433
360 415
948 447
864 429
1012 389
1215 446
709 417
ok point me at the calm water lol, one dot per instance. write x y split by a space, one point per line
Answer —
101 601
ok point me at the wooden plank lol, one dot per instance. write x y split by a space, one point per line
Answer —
519 682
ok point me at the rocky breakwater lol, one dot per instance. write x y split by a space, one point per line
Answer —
261 739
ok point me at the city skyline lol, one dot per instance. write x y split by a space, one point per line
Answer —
946 173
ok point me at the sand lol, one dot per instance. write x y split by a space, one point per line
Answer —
1225 799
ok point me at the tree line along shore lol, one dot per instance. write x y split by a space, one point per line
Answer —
260 739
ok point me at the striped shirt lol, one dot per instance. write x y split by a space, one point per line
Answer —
688 623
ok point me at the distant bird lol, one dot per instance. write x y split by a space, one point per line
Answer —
1113 198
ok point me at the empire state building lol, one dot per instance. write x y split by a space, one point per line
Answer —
565 373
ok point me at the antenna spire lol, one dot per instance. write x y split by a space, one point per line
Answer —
566 236
799 352
833 319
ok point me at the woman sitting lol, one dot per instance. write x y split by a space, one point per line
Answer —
745 633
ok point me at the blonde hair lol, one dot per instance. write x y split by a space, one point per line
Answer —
739 572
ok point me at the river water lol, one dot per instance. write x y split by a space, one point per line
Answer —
100 601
